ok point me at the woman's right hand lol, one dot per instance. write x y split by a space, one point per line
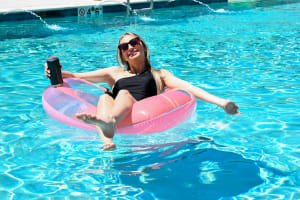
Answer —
47 71
65 74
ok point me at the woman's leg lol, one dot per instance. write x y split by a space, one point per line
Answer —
122 105
109 113
104 107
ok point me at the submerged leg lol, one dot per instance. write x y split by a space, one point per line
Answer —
109 113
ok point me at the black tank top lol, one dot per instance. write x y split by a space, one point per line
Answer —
140 86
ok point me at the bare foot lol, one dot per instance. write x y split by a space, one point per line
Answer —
108 146
108 128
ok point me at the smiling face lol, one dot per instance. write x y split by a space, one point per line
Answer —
132 48
133 52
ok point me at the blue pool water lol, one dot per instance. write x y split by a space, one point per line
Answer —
248 53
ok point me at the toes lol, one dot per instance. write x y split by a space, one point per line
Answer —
109 146
81 116
84 116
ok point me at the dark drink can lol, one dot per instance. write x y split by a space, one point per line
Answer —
55 71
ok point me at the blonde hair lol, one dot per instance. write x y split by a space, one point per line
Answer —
124 63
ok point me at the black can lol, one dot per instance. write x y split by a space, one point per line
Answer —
55 71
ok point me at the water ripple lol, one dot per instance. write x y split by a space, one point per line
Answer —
249 55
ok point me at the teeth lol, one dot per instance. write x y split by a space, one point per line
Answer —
132 53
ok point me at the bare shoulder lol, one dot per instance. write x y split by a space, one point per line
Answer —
117 72
164 73
114 69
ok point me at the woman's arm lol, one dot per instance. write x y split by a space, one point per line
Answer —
171 81
101 75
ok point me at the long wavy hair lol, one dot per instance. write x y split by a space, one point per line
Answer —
124 64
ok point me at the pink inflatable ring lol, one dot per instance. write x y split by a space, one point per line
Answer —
151 115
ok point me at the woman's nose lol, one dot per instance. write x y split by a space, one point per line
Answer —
129 46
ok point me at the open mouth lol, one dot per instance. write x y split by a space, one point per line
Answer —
132 53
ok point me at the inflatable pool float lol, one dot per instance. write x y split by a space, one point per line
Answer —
151 115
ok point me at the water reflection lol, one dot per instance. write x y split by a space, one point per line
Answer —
198 173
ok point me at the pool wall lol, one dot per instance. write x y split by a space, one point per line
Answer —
106 8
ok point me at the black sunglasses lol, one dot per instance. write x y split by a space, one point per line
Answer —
133 42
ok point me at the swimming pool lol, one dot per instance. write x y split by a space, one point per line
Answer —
248 53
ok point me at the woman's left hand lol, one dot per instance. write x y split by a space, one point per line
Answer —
231 108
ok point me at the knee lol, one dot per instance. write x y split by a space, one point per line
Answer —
124 93
125 96
105 97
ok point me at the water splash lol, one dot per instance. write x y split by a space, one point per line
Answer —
52 26
211 9
148 19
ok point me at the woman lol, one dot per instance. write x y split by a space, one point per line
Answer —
129 85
